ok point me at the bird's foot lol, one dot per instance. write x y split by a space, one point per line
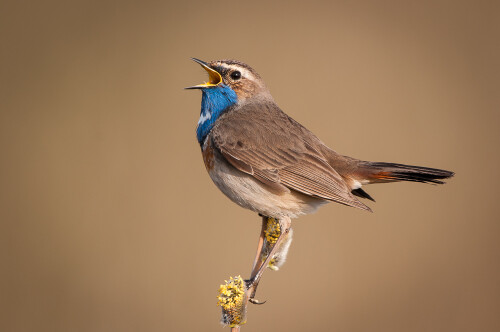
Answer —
251 288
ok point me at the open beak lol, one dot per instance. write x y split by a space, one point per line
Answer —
214 77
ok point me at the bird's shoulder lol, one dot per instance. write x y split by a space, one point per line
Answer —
259 124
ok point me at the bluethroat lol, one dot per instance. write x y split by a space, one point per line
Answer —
267 162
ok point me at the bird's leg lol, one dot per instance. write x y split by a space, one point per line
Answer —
257 261
285 226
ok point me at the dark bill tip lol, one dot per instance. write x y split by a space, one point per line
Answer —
203 63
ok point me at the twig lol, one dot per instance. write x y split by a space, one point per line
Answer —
235 294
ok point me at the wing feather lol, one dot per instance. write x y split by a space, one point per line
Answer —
264 142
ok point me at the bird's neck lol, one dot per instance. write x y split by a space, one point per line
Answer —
214 102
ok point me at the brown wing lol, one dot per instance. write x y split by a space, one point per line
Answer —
263 141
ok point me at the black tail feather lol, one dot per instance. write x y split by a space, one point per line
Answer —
388 172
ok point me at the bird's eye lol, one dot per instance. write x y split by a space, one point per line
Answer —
235 75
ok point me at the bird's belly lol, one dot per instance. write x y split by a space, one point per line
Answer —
246 191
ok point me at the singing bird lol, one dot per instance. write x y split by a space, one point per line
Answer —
265 161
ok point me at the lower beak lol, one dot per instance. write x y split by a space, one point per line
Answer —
214 77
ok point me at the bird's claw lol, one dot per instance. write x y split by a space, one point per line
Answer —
254 301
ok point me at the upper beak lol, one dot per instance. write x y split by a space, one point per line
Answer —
214 77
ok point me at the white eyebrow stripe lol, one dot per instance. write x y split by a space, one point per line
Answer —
244 72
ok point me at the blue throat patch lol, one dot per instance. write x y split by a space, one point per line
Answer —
214 102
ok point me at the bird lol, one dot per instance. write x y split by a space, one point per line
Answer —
265 161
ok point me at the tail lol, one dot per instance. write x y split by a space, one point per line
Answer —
377 172
380 172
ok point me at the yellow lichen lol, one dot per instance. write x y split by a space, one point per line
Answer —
272 264
232 300
273 230
272 233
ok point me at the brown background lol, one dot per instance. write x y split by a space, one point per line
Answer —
109 221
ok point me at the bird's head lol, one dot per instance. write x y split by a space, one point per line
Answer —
230 84
235 75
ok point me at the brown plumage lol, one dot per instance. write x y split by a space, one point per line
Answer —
254 140
265 161
262 141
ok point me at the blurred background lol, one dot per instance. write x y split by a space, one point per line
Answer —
109 221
